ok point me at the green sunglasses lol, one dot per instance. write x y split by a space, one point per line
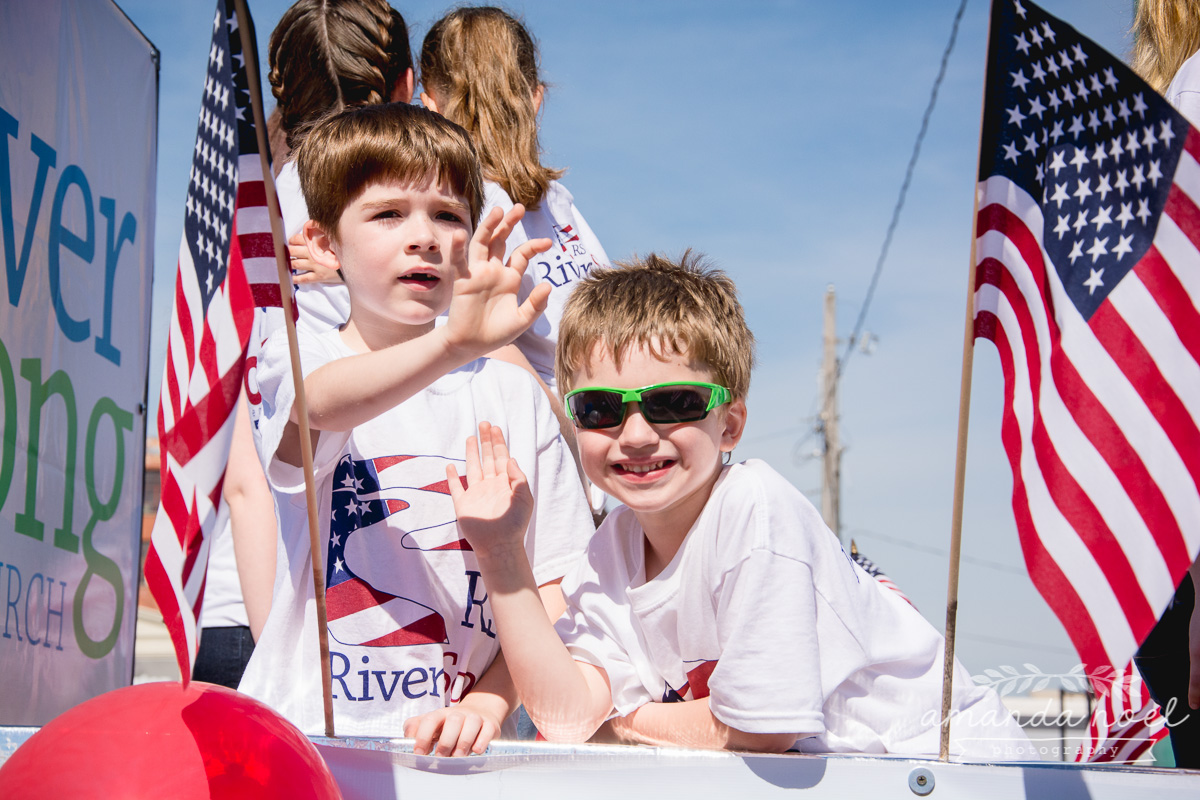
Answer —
595 407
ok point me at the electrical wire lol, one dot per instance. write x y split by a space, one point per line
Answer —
908 175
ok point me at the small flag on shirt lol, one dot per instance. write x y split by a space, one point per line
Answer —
875 572
210 325
1087 279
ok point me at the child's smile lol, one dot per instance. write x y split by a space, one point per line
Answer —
663 472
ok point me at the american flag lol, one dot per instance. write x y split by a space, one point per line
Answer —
872 569
1126 721
1087 279
224 226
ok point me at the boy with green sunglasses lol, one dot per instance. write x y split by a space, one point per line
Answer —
714 608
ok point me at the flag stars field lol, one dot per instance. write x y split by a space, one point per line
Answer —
1084 308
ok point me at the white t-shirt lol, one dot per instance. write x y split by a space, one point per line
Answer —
1184 91
574 252
410 625
763 613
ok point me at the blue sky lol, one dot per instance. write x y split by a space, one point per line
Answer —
773 136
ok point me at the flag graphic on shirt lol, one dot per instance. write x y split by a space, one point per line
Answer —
696 687
1087 279
363 597
1125 723
565 236
210 325
871 568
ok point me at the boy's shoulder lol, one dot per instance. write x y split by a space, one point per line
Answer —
752 507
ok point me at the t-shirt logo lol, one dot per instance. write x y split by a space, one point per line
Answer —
366 571
696 686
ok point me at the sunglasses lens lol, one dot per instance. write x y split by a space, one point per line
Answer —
597 409
676 404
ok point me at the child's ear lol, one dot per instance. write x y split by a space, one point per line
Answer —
402 92
320 246
735 425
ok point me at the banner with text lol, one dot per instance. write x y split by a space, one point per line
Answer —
78 148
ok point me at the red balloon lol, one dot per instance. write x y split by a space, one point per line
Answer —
163 740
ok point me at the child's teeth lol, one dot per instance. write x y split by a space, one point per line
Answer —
643 467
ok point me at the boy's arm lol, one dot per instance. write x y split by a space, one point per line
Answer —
688 724
567 700
484 314
470 725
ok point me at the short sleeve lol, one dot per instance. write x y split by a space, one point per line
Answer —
588 636
768 679
278 392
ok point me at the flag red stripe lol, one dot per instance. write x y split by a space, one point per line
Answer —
200 422
350 597
1171 296
1045 572
267 294
257 245
184 324
1160 398
172 504
1069 497
160 584
1120 456
251 194
1191 143
1183 212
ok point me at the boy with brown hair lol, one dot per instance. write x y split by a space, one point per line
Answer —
394 193
714 608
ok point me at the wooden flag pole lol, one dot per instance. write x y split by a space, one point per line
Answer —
960 470
960 459
283 265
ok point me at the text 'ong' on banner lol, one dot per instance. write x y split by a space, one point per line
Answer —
78 148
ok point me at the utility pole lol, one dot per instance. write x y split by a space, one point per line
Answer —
831 497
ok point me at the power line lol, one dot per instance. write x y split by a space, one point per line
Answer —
1013 643
922 548
912 163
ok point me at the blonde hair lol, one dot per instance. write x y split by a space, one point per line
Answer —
1165 34
346 152
481 65
686 308
326 55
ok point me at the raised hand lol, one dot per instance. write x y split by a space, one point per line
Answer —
304 268
484 312
494 510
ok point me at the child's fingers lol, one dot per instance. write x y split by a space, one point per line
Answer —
454 483
519 260
486 734
499 238
423 730
474 470
487 458
472 726
481 241
534 305
499 449
517 480
447 742
458 255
